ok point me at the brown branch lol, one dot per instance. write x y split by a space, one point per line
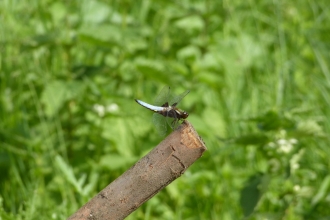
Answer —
147 177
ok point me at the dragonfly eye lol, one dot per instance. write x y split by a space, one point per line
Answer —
185 115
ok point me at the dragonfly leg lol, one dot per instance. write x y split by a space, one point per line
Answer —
174 123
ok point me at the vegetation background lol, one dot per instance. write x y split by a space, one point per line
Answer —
258 72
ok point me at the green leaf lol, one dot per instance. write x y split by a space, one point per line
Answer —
190 24
53 97
116 161
57 92
68 174
95 11
58 11
152 69
105 35
210 78
309 128
323 191
214 121
273 120
251 194
189 54
252 139
48 39
118 131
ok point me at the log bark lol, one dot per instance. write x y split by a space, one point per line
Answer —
147 177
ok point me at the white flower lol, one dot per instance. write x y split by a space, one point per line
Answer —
286 146
100 110
281 141
293 141
112 107
271 145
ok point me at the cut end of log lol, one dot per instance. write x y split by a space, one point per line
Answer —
190 138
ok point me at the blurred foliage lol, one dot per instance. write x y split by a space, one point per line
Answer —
258 72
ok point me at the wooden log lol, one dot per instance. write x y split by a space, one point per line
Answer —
147 177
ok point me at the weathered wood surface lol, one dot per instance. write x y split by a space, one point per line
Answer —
147 177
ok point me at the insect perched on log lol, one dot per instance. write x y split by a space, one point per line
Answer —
165 108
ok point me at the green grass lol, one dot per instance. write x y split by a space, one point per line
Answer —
258 72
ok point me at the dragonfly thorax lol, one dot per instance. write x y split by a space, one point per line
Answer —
174 112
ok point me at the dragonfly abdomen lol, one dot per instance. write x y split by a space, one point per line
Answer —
150 107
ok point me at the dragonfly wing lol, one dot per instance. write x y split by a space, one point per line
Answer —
176 99
172 122
163 96
160 123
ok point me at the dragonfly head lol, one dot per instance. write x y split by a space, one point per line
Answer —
184 115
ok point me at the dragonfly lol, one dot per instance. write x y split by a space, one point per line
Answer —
165 110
